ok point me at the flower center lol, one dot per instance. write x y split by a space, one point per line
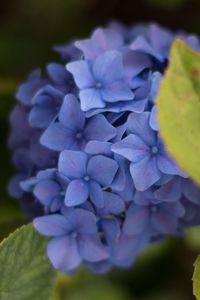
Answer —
154 150
86 178
98 85
79 135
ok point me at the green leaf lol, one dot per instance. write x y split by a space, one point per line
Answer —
196 278
26 273
179 108
192 237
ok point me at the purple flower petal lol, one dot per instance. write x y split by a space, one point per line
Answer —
108 67
72 164
170 191
145 173
82 73
77 193
41 117
99 129
71 114
168 166
97 147
139 125
117 91
164 222
63 253
91 98
91 248
137 220
113 204
132 148
102 169
101 41
52 225
96 194
85 221
57 137
46 190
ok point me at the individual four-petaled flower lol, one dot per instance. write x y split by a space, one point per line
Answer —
146 152
101 81
87 175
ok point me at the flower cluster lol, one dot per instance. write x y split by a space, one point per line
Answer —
93 172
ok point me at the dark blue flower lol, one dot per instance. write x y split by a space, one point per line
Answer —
27 90
46 104
147 215
73 130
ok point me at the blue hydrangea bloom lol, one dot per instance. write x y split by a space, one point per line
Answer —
102 80
75 239
85 180
73 130
93 173
142 146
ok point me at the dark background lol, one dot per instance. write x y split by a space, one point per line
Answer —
28 29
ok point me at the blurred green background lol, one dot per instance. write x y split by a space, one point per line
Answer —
28 29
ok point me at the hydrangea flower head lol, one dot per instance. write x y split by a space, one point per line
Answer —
93 173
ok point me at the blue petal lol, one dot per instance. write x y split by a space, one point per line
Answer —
72 163
164 222
153 119
138 123
141 45
58 73
57 137
46 190
108 67
97 147
168 166
126 249
117 91
96 194
41 117
137 220
101 41
52 225
132 148
77 193
191 191
85 221
91 98
64 255
111 229
82 73
102 169
170 191
113 204
99 129
71 114
145 173
91 248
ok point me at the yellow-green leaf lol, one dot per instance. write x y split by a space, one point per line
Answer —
179 108
196 278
